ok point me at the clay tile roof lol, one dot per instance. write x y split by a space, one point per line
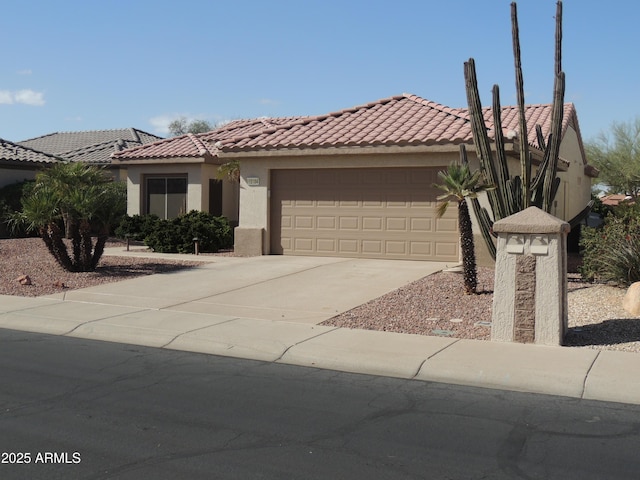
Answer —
535 115
400 120
202 144
93 147
183 146
14 154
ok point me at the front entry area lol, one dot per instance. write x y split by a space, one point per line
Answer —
385 213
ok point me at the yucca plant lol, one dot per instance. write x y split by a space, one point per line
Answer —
458 184
611 253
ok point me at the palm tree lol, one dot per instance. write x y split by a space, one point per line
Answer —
230 171
459 183
78 200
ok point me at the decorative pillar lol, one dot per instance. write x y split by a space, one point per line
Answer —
530 291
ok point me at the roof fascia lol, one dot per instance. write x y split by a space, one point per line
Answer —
301 152
163 161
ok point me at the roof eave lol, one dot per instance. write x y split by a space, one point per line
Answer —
163 160
338 150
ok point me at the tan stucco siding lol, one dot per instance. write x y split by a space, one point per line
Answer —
577 185
198 177
9 176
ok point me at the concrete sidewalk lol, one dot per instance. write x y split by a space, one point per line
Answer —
268 308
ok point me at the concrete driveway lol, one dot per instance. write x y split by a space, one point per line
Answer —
285 288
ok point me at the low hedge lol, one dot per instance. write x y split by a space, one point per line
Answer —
176 235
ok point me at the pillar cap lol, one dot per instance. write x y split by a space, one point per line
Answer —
531 220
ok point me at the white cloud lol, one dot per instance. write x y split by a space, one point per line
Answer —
161 123
26 97
6 97
268 101
29 97
25 72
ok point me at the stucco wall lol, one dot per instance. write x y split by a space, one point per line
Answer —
198 176
577 186
9 176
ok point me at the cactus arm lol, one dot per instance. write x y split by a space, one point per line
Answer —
482 142
557 114
525 162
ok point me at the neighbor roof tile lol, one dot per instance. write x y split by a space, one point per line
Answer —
14 154
93 147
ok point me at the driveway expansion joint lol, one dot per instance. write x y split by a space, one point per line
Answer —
415 375
103 318
166 345
303 341
586 376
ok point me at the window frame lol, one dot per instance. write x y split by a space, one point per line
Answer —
147 204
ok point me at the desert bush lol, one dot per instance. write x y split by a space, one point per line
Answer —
10 203
136 227
176 235
611 252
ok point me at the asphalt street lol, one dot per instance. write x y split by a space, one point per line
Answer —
82 409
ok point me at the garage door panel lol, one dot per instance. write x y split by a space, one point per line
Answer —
396 224
348 246
326 222
349 223
421 224
372 223
376 213
372 247
446 225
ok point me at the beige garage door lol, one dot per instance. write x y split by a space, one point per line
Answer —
368 212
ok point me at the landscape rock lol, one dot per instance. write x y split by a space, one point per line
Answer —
631 300
24 280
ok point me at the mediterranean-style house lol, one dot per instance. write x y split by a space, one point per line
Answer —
353 183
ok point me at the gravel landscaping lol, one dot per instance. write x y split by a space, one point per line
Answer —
433 305
437 305
30 257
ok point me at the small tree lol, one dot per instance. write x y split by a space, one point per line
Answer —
230 171
181 125
84 199
617 156
459 183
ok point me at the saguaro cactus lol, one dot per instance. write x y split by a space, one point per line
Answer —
515 193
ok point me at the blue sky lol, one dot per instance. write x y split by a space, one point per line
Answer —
87 65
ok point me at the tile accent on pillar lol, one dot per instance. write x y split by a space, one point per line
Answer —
525 299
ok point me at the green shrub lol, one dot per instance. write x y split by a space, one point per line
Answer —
611 252
176 235
136 227
10 203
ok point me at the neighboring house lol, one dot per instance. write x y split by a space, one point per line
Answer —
354 183
616 199
18 163
91 147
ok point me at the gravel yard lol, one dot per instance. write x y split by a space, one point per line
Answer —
437 305
434 305
29 256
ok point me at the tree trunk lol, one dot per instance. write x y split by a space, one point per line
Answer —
52 236
468 252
